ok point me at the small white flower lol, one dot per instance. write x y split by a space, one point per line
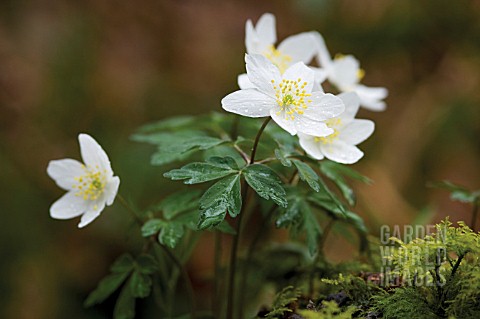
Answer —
260 39
89 186
345 73
348 132
287 98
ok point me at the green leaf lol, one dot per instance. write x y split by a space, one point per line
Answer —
147 264
459 193
290 215
140 285
171 234
161 158
164 139
152 227
356 221
168 124
281 155
307 174
325 202
125 305
124 263
221 197
335 172
193 143
266 183
197 172
105 288
225 227
311 227
179 202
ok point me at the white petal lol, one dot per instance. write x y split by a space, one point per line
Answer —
280 119
312 148
300 71
68 206
91 214
311 127
344 72
249 102
111 190
370 97
352 103
93 154
64 171
323 58
357 131
261 72
252 42
300 47
244 82
324 106
341 152
320 77
266 30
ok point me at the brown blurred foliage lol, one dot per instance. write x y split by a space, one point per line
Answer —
106 67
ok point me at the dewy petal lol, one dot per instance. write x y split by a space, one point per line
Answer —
249 102
111 190
320 77
371 97
266 30
300 47
312 148
309 126
93 154
300 71
64 172
244 82
252 42
287 125
343 72
352 103
341 152
261 72
68 206
356 131
324 59
92 213
324 106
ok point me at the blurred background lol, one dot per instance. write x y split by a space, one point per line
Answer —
106 67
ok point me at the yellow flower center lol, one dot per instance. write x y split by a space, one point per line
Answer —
281 60
331 123
91 185
290 96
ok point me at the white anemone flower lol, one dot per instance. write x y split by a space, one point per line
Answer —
345 73
89 186
261 39
348 132
287 98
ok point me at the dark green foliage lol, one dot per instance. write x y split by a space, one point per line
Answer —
266 183
307 174
404 303
283 299
459 193
213 168
221 197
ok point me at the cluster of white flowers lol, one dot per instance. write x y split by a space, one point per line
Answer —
280 83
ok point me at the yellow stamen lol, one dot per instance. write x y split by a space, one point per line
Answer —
91 185
282 61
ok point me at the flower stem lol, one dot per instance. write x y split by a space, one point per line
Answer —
236 238
186 278
130 209
320 253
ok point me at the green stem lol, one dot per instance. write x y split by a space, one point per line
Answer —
188 283
130 209
236 238
320 253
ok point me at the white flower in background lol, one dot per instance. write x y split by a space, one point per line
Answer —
261 39
345 73
89 186
287 98
348 132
